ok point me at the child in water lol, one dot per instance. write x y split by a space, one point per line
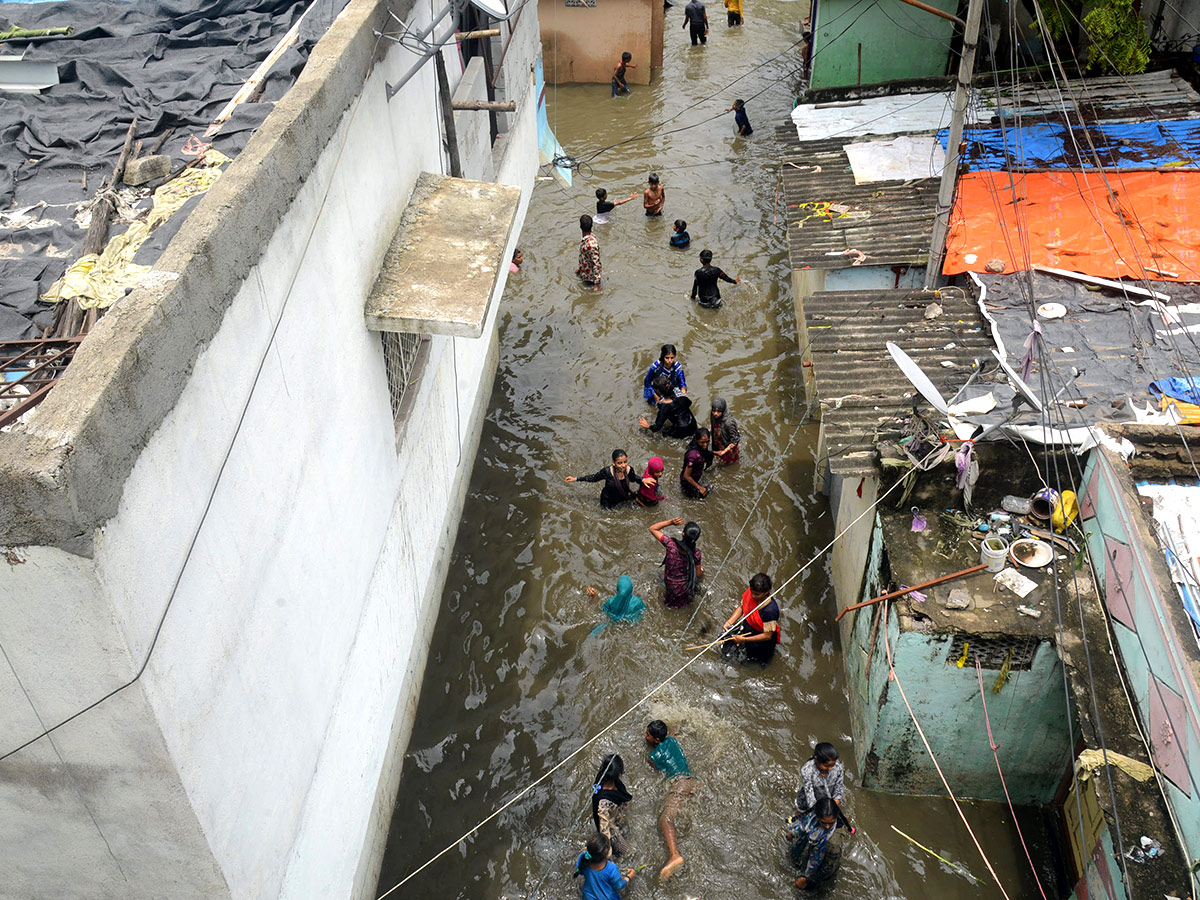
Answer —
667 756
601 878
680 238
704 285
514 267
818 841
822 776
741 121
604 206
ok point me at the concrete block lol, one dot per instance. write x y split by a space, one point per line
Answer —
146 168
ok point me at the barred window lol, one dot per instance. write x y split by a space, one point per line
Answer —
402 354
991 651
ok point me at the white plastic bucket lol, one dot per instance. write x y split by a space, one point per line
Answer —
993 553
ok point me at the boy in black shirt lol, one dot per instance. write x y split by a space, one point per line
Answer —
704 284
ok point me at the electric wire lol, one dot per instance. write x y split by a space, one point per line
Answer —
1060 626
627 713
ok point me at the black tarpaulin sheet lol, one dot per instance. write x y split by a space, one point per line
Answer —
169 63
1118 344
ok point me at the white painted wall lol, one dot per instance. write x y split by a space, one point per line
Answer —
298 549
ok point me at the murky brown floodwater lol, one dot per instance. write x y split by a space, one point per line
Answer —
513 684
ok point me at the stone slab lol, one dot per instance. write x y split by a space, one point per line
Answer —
440 271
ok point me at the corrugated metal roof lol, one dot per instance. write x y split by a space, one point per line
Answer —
863 394
828 214
1162 95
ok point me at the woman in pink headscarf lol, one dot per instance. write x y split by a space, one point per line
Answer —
649 495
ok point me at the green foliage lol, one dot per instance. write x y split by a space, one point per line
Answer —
1119 39
1056 15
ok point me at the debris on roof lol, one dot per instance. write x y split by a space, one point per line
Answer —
864 397
169 66
1104 345
834 222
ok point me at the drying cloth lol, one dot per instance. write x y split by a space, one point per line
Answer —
1148 228
1090 760
1185 389
100 280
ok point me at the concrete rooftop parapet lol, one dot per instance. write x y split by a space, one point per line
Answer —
62 471
440 271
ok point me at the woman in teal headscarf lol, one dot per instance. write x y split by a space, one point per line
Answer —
623 606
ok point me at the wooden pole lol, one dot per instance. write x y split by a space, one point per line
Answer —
915 587
966 71
451 134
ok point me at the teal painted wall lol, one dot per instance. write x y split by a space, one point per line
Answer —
1152 650
1028 715
898 42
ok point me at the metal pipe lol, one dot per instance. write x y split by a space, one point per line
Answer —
394 89
937 12
916 587
966 71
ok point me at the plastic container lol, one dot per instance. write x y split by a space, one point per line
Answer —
993 553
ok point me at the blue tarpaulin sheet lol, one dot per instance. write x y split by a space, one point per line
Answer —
1173 143
1185 389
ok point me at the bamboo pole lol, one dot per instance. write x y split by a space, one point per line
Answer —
916 587
472 35
485 105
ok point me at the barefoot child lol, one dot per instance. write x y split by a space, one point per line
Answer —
601 878
655 196
667 756
618 76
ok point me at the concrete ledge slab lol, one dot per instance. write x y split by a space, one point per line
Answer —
440 272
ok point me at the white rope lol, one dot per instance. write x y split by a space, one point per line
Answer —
650 693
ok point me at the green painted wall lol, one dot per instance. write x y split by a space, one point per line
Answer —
897 42
1028 715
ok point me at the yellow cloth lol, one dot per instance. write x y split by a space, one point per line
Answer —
100 280
734 6
1090 760
1189 413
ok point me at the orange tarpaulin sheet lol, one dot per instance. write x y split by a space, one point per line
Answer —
1070 220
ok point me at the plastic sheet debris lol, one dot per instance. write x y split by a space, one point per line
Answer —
1015 582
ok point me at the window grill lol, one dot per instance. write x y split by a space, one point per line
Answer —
992 651
401 354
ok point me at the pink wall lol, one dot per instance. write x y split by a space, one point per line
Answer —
584 43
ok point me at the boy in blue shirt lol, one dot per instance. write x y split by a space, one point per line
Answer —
667 756
680 238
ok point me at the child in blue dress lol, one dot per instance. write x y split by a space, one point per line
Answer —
601 878
680 239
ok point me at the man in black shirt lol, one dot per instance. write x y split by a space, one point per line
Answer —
704 284
695 16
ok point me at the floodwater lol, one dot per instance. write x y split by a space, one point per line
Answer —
514 684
